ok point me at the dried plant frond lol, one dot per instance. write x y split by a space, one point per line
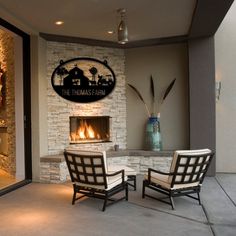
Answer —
168 90
141 98
152 88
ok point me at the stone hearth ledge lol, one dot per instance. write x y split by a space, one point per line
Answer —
53 168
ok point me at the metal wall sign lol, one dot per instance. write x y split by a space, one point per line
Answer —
83 79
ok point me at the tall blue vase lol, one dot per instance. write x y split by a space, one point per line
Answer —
153 134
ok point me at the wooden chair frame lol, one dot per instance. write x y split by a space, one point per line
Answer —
86 183
199 164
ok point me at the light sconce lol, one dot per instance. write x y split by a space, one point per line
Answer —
218 90
122 27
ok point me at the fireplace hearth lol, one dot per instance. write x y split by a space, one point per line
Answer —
89 129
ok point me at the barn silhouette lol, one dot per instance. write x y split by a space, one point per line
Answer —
76 77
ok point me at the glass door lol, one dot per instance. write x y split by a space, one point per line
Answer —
13 117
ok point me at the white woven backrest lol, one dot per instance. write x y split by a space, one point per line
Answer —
87 167
189 165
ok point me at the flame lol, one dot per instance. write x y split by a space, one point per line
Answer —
90 131
81 131
85 131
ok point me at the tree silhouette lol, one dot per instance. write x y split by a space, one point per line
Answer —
93 71
61 71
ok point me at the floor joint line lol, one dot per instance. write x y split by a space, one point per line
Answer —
169 213
209 223
225 191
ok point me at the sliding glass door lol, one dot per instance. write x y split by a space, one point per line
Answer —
15 155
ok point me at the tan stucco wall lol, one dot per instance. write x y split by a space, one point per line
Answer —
225 55
164 62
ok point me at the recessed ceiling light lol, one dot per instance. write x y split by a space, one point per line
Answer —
59 22
110 32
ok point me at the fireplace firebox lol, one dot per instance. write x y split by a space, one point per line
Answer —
89 129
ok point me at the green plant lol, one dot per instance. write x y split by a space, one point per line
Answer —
152 88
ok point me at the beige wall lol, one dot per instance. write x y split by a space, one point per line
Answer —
225 55
38 103
165 63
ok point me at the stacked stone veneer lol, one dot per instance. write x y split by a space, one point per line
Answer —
53 168
7 111
141 163
59 109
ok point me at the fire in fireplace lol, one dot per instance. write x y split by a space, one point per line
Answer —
89 129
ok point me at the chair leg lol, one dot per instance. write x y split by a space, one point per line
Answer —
135 185
199 199
74 196
172 202
126 192
105 203
143 192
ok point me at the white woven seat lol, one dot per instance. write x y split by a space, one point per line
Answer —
129 173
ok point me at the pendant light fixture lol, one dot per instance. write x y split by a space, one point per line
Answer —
122 27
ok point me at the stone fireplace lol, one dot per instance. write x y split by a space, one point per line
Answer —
110 111
89 129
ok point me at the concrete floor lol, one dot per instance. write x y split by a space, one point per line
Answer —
45 209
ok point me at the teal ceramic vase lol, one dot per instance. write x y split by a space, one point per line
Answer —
153 134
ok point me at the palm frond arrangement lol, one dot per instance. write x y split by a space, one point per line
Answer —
152 88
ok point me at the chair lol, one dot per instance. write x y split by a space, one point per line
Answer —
187 172
90 178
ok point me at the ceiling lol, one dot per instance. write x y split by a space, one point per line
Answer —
150 22
146 19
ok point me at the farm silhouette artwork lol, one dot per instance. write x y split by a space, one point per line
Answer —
83 80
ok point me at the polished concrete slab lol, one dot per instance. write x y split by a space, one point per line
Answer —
227 182
219 198
45 209
218 206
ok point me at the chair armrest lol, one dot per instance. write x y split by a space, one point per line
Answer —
116 173
158 171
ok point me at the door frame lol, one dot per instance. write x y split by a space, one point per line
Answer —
27 105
